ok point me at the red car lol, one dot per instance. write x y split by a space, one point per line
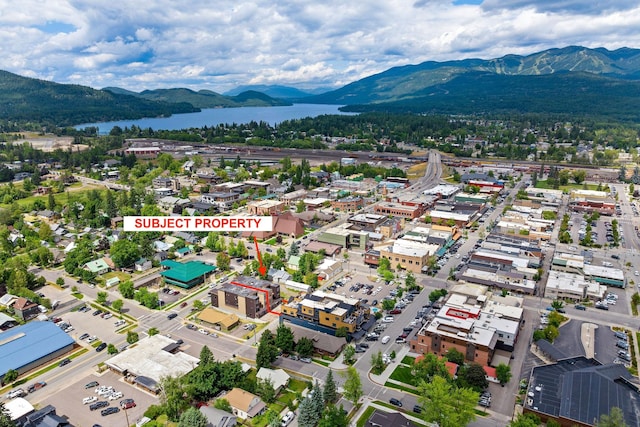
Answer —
395 311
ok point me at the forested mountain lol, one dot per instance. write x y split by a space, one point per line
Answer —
573 76
276 91
205 98
26 99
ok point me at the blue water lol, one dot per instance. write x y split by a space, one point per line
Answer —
215 116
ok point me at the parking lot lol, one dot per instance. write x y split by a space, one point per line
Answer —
85 322
68 402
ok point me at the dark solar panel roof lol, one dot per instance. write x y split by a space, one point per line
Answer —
146 382
582 389
547 348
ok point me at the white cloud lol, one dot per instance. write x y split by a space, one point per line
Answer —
217 45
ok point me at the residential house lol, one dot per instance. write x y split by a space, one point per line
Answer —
278 378
217 417
244 405
98 266
143 264
25 309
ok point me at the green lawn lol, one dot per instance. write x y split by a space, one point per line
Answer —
365 416
568 187
399 387
408 360
297 386
404 375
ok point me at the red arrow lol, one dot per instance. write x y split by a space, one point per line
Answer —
262 269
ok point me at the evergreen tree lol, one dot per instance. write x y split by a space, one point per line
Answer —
192 418
306 414
317 400
329 393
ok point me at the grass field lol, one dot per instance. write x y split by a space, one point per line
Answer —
404 375
566 188
416 171
77 190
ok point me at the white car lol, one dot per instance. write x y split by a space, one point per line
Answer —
287 419
386 339
203 332
16 393
388 319
116 395
92 339
636 273
108 316
89 399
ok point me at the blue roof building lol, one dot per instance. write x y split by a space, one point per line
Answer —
25 347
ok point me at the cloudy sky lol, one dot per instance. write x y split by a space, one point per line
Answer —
221 44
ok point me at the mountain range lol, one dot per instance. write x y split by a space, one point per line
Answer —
572 80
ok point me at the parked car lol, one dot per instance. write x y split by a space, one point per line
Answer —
92 384
109 411
622 344
16 393
128 405
395 402
395 311
305 359
98 405
88 400
580 307
388 319
287 418
386 339
36 386
101 347
417 409
83 336
64 362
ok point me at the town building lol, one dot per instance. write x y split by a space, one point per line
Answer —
223 201
473 323
150 360
345 236
185 275
348 204
31 345
400 209
143 152
246 296
577 391
328 312
575 287
265 207
408 254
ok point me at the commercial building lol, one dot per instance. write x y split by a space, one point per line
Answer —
366 221
474 323
348 204
185 275
327 312
143 152
562 285
577 391
344 236
400 209
265 207
28 346
246 296
150 360
409 254
221 200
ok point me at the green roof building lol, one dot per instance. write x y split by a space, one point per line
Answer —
185 275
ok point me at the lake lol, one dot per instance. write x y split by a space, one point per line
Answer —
215 116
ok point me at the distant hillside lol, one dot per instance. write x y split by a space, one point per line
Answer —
560 93
274 91
205 98
437 85
26 99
